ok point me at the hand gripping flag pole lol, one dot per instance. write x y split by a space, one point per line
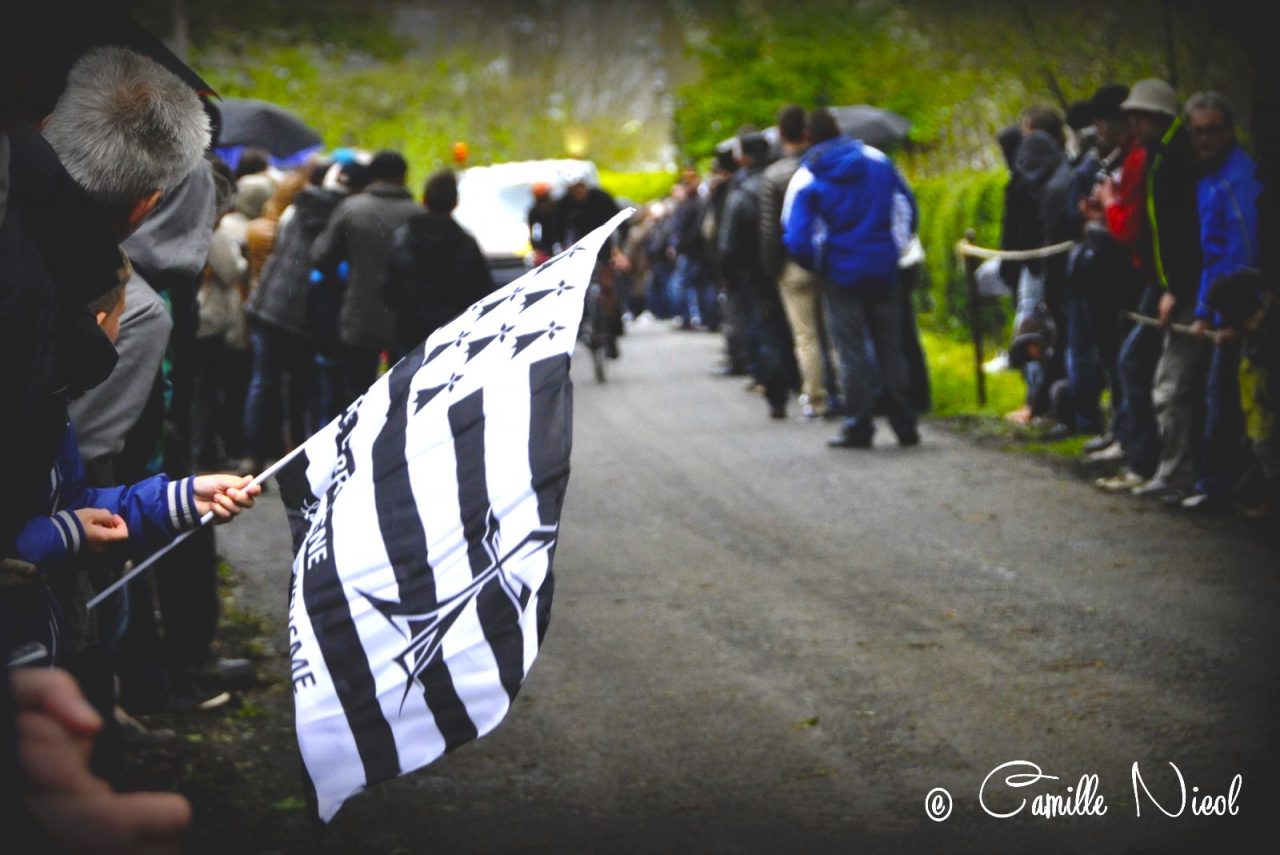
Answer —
168 547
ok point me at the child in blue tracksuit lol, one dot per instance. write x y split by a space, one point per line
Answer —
137 519
140 518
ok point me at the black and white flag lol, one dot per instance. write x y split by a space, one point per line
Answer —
425 520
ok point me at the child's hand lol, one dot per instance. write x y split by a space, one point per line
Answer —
101 528
225 495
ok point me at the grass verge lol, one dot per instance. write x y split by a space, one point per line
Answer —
955 401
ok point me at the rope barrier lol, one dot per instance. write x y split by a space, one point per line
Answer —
970 252
1182 329
964 247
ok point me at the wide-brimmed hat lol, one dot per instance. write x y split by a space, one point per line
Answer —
1153 96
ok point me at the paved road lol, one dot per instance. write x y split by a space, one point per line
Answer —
760 644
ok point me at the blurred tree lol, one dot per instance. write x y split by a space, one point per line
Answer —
959 69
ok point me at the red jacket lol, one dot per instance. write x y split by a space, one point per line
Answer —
1127 218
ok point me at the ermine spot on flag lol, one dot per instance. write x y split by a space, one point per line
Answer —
424 522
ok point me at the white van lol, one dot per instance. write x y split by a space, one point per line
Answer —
494 203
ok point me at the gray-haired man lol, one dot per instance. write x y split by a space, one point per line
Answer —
124 131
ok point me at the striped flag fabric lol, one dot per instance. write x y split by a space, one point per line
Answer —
425 521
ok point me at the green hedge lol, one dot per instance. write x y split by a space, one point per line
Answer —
949 205
637 187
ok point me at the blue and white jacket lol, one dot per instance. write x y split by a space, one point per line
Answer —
1228 203
848 214
155 510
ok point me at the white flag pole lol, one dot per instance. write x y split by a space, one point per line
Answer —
204 520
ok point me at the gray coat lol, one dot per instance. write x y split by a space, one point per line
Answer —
105 414
360 233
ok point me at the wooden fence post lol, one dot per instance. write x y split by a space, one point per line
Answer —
971 263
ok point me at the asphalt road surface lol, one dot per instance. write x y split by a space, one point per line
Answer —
760 644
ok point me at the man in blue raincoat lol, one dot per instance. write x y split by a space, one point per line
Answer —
847 215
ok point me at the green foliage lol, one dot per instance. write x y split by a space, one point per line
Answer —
637 187
949 206
958 69
811 52
362 26
952 383
342 67
354 25
418 107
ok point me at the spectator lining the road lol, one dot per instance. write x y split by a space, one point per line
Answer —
852 189
435 269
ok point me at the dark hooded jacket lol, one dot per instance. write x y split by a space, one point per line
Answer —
1039 163
281 296
1045 178
738 240
435 271
1009 139
57 254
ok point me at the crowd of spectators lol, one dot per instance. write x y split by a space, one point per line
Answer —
1147 289
799 248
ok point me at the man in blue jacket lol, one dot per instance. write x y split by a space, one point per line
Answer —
847 216
1227 199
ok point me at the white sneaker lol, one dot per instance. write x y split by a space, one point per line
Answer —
1111 452
996 364
812 410
1122 483
1151 489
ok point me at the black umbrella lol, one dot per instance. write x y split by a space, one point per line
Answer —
247 122
38 49
770 134
875 126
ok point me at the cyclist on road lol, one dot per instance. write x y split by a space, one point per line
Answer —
581 210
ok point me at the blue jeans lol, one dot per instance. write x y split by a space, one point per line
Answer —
330 393
1223 423
1137 365
685 289
277 352
854 315
1085 374
657 298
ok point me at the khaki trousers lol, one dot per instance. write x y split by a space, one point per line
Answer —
801 293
